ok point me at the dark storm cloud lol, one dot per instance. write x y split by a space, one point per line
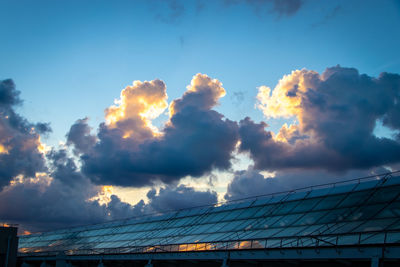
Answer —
248 183
195 141
251 182
336 112
59 199
9 96
79 135
166 199
48 203
65 198
19 139
181 197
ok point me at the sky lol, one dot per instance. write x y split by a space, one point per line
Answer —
114 109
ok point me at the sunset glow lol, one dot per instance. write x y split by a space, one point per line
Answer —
111 111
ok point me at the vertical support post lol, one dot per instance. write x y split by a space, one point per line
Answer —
375 262
225 263
149 264
60 260
61 263
8 250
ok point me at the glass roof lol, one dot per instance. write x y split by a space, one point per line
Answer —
359 212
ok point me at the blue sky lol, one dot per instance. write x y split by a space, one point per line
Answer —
70 59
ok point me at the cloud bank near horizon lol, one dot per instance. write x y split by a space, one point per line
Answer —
335 115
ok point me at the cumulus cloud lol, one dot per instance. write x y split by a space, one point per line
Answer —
180 197
203 93
252 182
195 140
336 113
20 146
166 199
80 136
51 200
249 183
64 197
137 105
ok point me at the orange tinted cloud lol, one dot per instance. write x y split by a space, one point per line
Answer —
202 92
335 115
286 133
285 99
104 195
3 149
137 106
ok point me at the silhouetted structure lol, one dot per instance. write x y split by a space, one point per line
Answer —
355 222
8 245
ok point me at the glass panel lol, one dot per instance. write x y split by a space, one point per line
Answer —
235 225
216 227
264 223
375 225
370 211
310 218
285 208
336 215
248 213
393 210
264 211
244 204
343 188
266 233
355 199
348 240
368 185
297 195
273 243
262 200
385 194
290 231
395 225
343 228
286 220
393 237
306 205
233 215
329 202
392 181
314 229
278 198
217 217
320 192
378 238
